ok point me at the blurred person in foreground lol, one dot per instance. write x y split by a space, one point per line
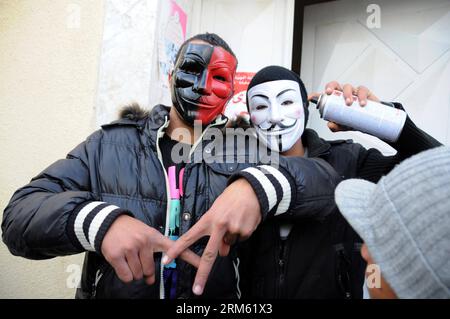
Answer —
404 221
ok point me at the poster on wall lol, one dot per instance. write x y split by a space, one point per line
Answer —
236 109
172 36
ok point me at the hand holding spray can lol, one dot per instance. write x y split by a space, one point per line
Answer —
374 118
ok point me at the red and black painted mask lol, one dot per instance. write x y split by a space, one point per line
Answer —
202 82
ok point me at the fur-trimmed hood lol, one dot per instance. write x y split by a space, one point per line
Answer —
133 112
144 120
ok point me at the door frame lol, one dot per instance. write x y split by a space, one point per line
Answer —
297 38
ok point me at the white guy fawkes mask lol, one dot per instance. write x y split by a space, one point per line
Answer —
276 111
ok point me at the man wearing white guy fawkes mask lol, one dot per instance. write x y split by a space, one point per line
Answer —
314 256
278 111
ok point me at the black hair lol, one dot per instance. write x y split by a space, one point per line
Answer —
210 38
276 73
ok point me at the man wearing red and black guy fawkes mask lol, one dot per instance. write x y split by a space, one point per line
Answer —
126 195
202 80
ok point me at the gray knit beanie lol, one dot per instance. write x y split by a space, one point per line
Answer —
405 222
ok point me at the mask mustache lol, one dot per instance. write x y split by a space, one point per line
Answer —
280 125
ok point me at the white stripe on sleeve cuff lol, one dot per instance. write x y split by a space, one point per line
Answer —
267 186
97 222
78 227
285 202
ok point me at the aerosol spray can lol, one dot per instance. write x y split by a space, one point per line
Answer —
374 118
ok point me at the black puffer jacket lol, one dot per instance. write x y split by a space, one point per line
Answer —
321 256
60 211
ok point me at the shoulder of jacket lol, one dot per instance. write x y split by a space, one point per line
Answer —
341 141
120 134
129 116
346 146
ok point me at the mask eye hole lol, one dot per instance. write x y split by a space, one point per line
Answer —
191 66
220 78
261 107
287 102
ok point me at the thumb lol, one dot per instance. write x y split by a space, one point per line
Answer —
313 95
334 127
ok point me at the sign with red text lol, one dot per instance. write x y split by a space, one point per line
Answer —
237 106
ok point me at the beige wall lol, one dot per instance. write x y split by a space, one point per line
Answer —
48 80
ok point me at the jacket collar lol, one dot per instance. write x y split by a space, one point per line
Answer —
160 113
152 122
317 147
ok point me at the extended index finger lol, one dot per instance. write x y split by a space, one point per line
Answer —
314 95
207 261
187 255
185 241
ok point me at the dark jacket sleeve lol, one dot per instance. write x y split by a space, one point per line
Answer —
56 214
372 164
296 188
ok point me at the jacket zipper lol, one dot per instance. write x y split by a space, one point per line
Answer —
160 134
281 267
199 140
98 276
343 271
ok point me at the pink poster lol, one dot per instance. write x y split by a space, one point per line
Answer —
178 15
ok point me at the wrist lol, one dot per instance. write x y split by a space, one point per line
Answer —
251 196
273 188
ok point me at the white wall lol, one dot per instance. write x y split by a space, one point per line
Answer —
128 45
49 54
406 59
258 31
129 59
